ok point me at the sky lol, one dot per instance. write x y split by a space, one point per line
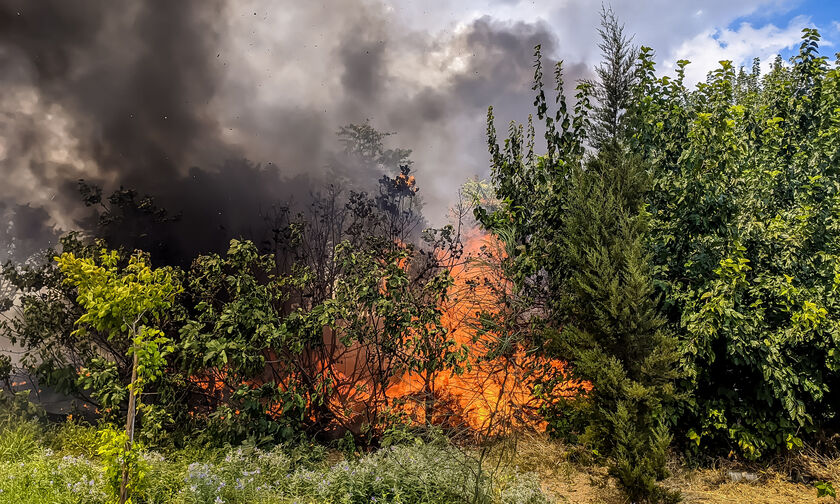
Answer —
221 107
703 32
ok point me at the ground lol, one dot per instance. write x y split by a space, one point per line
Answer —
570 482
57 463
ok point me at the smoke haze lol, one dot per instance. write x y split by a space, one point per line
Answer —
221 109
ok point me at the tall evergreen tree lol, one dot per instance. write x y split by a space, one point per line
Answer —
616 337
613 88
577 233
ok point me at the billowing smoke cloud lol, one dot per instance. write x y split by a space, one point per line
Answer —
221 109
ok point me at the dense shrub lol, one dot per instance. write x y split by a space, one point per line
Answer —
745 236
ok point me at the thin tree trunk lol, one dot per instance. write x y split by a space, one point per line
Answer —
129 429
428 398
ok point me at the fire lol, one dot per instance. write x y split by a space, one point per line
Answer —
495 391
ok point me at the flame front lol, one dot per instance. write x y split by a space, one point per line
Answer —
497 391
493 392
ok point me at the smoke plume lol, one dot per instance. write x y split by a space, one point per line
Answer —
222 109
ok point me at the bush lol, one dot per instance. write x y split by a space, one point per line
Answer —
406 474
746 246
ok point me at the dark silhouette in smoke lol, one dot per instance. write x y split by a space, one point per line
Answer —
24 231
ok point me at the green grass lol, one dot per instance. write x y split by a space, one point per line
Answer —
48 478
58 464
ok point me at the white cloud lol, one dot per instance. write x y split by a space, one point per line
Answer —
674 29
739 45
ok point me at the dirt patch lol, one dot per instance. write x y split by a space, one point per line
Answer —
788 480
709 485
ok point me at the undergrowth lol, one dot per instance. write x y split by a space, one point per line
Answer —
58 464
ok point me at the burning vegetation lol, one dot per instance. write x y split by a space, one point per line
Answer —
665 275
440 355
349 319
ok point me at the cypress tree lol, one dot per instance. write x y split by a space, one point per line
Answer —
613 88
615 335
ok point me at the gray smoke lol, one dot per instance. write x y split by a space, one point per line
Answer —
221 109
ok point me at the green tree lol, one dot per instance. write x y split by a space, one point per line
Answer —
250 359
124 301
390 319
531 190
38 311
613 89
745 236
575 230
615 335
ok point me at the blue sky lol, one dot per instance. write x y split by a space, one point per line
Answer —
823 14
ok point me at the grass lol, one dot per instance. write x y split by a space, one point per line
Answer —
57 464
42 463
568 477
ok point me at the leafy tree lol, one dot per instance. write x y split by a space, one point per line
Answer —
250 374
744 234
395 210
391 323
38 313
367 143
124 301
531 189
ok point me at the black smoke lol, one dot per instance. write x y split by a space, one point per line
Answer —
222 110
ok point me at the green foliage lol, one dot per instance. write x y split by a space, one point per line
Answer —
117 459
531 189
639 455
405 474
18 406
19 440
825 489
49 478
576 230
237 327
38 314
121 301
745 230
74 438
616 78
6 371
615 336
39 462
394 318
409 474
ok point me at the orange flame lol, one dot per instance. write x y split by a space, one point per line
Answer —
495 391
